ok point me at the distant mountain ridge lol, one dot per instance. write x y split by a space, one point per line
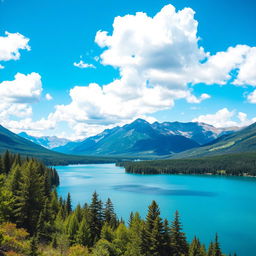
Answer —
142 138
49 142
16 144
240 141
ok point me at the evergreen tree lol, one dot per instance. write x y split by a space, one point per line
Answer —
45 223
153 232
217 251
109 215
211 250
83 235
166 239
95 217
195 248
7 162
178 239
30 197
72 228
47 185
68 204
135 244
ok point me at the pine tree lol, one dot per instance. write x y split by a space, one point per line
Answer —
83 235
217 251
68 204
134 247
166 239
130 219
96 217
7 162
30 197
178 239
47 185
109 215
195 248
45 223
152 238
72 228
211 250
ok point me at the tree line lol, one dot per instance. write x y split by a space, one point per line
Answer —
35 221
234 164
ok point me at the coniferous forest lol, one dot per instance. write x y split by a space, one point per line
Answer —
241 164
35 221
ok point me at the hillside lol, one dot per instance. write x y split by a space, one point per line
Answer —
138 139
237 142
16 144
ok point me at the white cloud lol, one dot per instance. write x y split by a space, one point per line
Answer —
48 96
225 118
1 66
11 44
23 89
16 98
82 64
27 124
252 97
159 61
247 69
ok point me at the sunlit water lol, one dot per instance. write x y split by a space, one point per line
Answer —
207 204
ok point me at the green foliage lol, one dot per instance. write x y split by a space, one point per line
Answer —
44 224
178 239
235 164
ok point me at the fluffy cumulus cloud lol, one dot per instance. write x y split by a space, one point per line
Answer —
17 97
159 61
82 64
225 118
11 44
252 97
23 89
152 55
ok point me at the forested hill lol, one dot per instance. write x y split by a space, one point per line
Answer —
237 142
229 164
16 144
34 221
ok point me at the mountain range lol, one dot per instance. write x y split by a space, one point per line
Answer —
141 139
138 139
49 142
240 141
16 144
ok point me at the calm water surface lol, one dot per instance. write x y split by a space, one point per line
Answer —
207 204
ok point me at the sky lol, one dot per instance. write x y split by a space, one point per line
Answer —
73 68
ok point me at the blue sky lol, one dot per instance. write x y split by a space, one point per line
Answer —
160 73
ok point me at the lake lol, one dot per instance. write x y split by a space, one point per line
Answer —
207 204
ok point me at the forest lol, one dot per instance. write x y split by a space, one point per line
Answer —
242 164
35 221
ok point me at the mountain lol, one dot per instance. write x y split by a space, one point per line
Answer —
139 138
238 142
45 141
200 132
16 144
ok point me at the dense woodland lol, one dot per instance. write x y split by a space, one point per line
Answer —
243 164
34 221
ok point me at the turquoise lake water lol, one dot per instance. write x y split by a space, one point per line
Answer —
207 204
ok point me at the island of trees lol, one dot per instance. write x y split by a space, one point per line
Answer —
243 164
35 221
